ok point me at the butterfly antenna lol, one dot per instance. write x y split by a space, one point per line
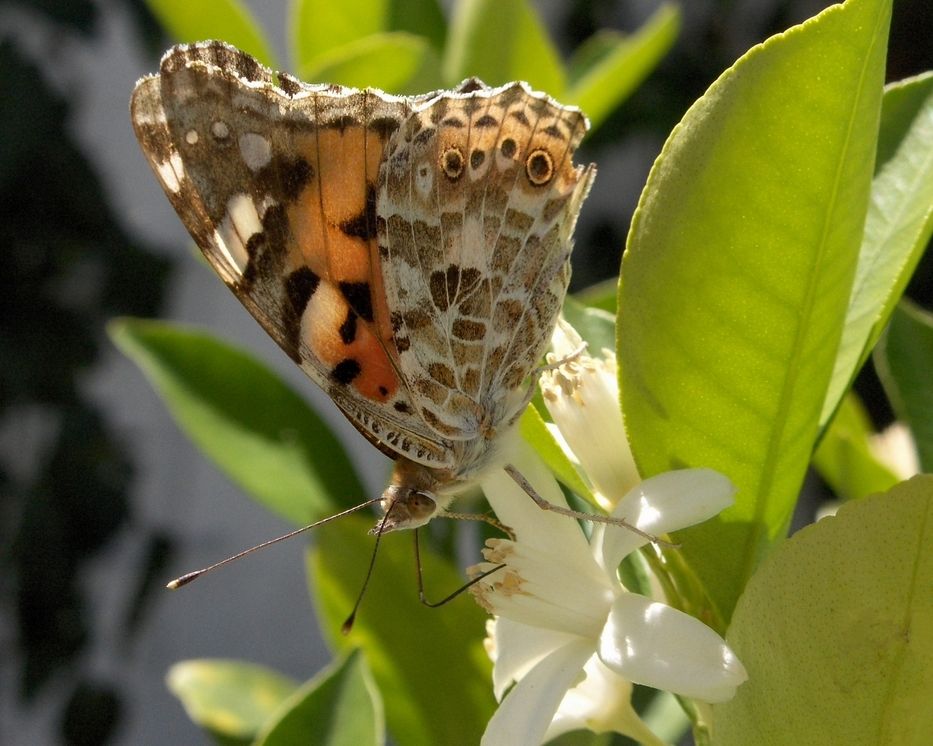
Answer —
192 576
451 596
348 623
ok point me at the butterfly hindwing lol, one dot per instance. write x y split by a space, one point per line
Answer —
276 181
477 203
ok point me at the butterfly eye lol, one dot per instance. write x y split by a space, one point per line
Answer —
540 167
452 163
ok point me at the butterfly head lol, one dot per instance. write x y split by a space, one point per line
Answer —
412 499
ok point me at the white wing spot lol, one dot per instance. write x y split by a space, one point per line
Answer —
191 137
255 149
171 172
424 180
220 130
240 223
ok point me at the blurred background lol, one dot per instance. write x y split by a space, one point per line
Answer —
101 498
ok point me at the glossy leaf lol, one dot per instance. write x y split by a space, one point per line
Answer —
231 699
500 42
338 707
597 327
228 20
603 295
897 228
429 664
604 79
836 631
244 418
844 458
737 276
319 26
905 364
394 62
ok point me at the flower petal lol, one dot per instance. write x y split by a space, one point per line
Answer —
527 710
517 510
654 644
519 648
667 502
600 703
582 395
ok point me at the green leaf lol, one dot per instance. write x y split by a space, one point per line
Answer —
836 631
396 62
244 418
535 432
597 327
603 79
603 295
228 20
897 227
338 707
844 459
429 663
904 362
231 699
319 26
737 276
500 42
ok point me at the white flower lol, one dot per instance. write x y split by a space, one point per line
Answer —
582 396
569 634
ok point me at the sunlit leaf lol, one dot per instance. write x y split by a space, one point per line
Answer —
500 42
836 631
318 26
429 663
844 459
905 364
737 276
338 707
245 418
897 227
232 699
395 62
603 79
199 20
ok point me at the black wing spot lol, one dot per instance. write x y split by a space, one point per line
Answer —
364 225
348 328
294 173
357 294
508 147
300 285
346 371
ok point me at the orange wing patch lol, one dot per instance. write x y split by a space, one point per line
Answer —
333 230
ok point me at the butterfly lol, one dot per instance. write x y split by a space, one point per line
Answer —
410 253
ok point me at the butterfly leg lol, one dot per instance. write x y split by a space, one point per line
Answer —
484 517
592 517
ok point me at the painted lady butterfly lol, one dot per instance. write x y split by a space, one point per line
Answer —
410 253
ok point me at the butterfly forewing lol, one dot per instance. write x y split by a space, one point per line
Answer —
277 187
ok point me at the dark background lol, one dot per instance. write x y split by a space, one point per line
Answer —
101 498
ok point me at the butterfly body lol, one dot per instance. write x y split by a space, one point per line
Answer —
410 253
